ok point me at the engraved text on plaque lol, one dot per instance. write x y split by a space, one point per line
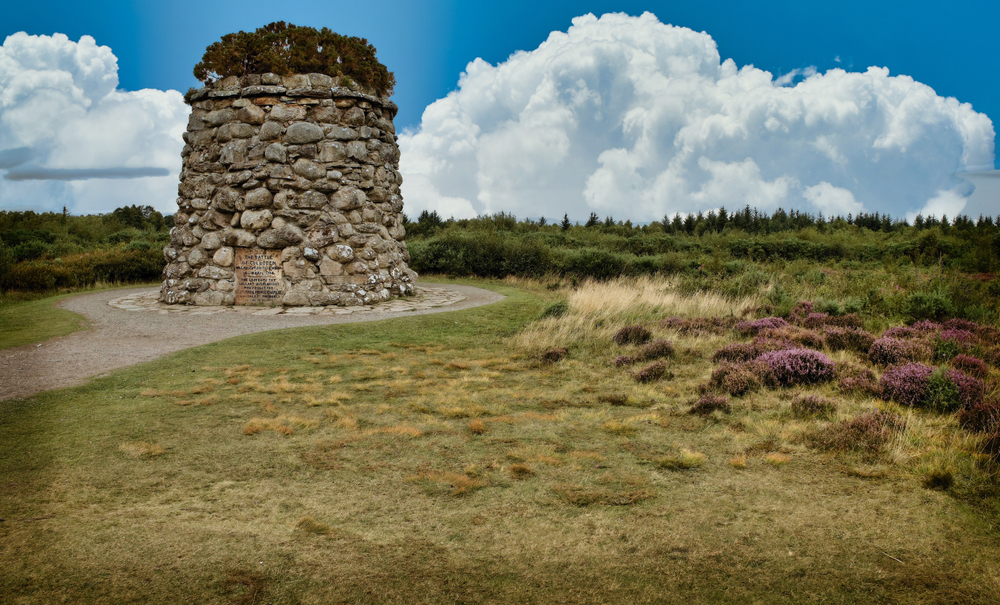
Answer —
259 278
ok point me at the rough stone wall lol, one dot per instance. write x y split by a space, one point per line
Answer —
295 171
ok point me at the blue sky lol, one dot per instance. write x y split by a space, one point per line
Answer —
953 47
898 149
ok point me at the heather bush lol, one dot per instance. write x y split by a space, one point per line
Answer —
983 417
815 320
801 310
869 432
961 324
656 349
709 403
624 360
905 384
740 378
794 334
736 352
901 332
654 371
971 366
758 325
958 335
764 344
852 378
848 339
926 327
890 351
798 366
849 320
804 406
555 354
632 335
696 326
970 389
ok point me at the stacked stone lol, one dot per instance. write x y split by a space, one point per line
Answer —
293 164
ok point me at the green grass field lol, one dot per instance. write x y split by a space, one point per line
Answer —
34 321
440 458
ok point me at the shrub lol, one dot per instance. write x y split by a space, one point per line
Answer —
815 320
624 360
970 389
956 323
699 325
555 354
801 310
763 344
485 254
848 339
632 335
905 384
869 432
653 371
758 325
942 392
926 326
709 403
285 48
946 349
656 349
736 352
850 320
971 366
799 337
890 351
958 335
901 332
982 417
740 378
798 366
556 309
934 305
596 263
852 378
813 405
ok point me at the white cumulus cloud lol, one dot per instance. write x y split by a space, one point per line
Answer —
69 137
638 119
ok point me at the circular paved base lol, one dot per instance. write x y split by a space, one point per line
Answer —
423 299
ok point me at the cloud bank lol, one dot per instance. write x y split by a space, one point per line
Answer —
65 129
630 117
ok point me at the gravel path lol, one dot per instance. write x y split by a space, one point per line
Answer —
130 333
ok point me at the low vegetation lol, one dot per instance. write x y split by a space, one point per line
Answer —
44 252
282 48
503 454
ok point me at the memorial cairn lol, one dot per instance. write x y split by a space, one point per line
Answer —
289 195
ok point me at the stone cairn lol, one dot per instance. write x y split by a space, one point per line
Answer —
289 195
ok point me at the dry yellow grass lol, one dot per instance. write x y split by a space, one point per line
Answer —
138 450
598 309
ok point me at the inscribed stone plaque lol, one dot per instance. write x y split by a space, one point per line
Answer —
259 278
